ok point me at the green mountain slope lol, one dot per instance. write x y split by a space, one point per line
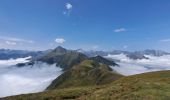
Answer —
105 61
88 72
147 86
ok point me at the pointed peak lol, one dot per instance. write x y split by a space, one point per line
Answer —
60 49
80 50
98 56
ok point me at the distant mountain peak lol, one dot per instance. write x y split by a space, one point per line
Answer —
80 50
60 49
105 61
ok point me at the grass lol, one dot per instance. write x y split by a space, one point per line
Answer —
148 86
69 93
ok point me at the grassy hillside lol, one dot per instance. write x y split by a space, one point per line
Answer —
147 86
86 73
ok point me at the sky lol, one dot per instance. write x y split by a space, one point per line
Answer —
86 24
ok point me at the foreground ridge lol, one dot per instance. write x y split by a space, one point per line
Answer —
150 86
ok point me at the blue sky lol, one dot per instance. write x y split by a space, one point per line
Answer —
86 24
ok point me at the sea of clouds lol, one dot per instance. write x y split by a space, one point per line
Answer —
129 66
28 79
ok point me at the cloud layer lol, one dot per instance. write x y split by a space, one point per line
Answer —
131 67
10 62
28 79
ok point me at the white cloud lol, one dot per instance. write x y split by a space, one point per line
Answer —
28 79
165 40
120 30
60 40
69 6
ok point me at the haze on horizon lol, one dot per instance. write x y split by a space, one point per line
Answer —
90 25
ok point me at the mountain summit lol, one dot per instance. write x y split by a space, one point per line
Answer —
59 50
63 58
68 58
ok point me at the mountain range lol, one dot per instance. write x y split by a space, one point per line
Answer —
87 75
8 53
131 55
78 68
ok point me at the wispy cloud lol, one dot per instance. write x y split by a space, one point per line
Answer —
95 47
60 40
68 8
165 40
120 30
13 40
10 43
125 46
